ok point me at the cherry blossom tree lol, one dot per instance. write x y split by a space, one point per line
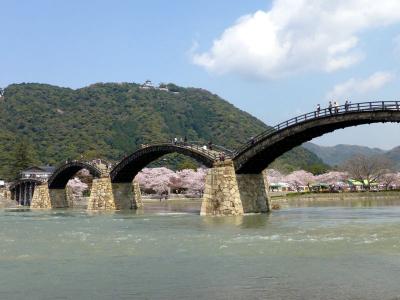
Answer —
390 180
193 180
299 178
332 178
274 176
155 179
367 169
77 186
162 180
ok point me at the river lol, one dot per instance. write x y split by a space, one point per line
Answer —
168 251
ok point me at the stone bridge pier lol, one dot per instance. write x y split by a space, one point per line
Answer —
44 197
227 193
106 195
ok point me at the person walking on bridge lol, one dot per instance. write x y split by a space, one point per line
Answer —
318 110
222 156
330 107
336 104
346 105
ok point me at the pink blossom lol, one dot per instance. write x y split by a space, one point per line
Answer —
162 180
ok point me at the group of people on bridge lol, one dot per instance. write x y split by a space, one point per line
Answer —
333 107
181 141
184 141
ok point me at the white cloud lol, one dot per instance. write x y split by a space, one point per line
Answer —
297 36
356 86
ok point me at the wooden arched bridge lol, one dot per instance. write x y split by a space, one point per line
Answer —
235 183
256 154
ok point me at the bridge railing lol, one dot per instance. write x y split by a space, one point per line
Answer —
211 150
214 147
322 113
92 162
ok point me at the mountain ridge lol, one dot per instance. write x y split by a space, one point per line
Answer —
111 120
338 154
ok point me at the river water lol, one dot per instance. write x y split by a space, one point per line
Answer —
168 251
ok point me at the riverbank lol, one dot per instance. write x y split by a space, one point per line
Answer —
359 199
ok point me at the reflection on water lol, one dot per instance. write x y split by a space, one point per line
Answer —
329 250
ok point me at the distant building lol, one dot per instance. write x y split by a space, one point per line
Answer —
147 85
356 185
41 173
279 187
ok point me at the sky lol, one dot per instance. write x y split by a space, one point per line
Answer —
273 59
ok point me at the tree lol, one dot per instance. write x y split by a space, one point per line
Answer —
156 179
300 178
332 178
274 176
367 170
186 164
161 180
193 180
24 157
390 179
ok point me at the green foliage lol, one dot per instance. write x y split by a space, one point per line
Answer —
300 158
187 164
24 156
110 120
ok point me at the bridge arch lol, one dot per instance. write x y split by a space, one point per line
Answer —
130 166
258 153
64 173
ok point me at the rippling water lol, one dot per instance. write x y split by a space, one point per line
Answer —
170 252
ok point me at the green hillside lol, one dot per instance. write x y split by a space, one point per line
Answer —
110 120
337 155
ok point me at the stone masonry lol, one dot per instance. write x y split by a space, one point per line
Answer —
253 189
114 196
221 193
104 195
137 194
43 197
227 193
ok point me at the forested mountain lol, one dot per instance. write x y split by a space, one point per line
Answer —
110 120
338 154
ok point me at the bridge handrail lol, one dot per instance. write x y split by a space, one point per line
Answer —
339 110
215 146
199 146
68 161
83 161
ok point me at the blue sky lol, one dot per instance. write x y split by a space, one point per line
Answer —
272 59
